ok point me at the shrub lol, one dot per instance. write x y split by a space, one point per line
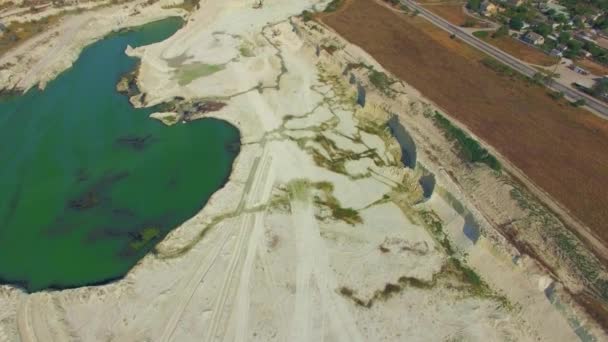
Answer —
333 6
380 80
307 15
578 103
470 148
468 23
556 95
481 34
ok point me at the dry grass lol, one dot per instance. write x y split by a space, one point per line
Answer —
561 148
593 67
520 50
453 13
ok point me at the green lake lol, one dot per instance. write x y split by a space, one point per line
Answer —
89 184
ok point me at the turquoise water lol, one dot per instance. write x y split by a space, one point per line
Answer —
89 184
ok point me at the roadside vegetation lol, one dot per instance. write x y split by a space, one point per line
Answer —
469 147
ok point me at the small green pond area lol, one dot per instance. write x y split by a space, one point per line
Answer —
89 184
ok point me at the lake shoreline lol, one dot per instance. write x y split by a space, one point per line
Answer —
94 214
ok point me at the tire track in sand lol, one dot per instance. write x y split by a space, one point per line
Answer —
246 243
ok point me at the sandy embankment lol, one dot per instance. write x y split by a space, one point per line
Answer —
320 233
42 58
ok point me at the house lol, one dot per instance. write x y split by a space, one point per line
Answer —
488 9
533 38
556 53
585 37
589 19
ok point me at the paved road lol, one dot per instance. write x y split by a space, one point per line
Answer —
593 103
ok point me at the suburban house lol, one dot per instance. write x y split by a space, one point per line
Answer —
584 37
533 38
556 53
488 9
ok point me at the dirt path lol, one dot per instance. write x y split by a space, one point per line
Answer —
316 282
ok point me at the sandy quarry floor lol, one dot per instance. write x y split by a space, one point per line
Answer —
321 232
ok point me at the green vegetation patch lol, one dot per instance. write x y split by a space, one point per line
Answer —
327 199
381 81
481 34
142 238
246 50
333 6
188 73
307 15
499 67
469 147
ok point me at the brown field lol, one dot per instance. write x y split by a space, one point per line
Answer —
561 148
520 50
453 13
593 67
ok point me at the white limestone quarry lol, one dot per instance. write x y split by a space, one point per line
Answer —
320 233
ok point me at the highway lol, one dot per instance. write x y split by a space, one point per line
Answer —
598 106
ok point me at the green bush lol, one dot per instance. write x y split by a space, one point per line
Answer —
307 15
556 95
498 66
333 6
481 34
381 81
578 103
470 148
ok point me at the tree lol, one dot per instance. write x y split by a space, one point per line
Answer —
600 87
543 29
578 103
307 15
474 5
574 46
564 37
501 32
601 23
560 18
516 23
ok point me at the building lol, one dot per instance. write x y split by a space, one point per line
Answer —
488 9
559 50
533 38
